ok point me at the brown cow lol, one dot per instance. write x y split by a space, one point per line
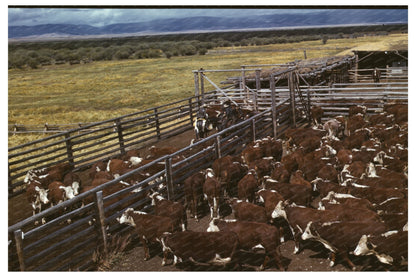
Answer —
218 248
247 186
316 115
248 212
212 192
341 237
193 189
390 248
270 198
251 235
280 173
298 218
149 228
168 208
295 193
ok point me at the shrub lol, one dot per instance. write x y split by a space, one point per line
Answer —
33 63
187 50
202 51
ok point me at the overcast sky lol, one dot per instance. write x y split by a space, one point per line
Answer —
103 16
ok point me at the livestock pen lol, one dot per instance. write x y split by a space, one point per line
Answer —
57 245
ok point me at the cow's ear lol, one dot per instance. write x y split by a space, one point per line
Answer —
287 202
370 246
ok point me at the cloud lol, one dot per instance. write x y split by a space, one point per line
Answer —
103 16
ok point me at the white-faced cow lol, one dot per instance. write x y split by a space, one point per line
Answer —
253 235
149 228
341 237
217 248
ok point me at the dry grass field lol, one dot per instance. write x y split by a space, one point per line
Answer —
103 90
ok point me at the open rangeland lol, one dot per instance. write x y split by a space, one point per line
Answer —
99 91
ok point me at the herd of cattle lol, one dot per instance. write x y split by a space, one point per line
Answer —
341 183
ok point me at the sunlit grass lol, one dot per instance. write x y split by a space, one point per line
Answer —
103 90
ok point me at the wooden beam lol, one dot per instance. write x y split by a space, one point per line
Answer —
99 204
18 237
219 89
273 96
365 57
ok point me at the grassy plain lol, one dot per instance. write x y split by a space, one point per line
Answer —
103 90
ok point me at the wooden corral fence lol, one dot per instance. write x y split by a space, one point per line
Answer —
337 99
84 145
389 74
58 245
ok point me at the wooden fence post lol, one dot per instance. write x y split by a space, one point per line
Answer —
258 88
218 146
196 81
18 237
191 115
308 94
10 181
169 178
69 151
292 97
202 91
243 80
120 136
356 68
99 204
273 95
157 123
253 129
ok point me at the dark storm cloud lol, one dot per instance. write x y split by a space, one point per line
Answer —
102 16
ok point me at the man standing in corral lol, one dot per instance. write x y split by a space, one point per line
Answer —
376 75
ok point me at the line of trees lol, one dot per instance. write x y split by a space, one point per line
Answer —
35 54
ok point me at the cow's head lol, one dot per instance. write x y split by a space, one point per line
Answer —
127 217
155 196
379 157
331 198
43 195
371 170
279 210
364 247
135 160
330 151
309 232
75 187
259 196
213 225
315 183
209 173
69 192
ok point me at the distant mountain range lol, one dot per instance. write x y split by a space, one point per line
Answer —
205 23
